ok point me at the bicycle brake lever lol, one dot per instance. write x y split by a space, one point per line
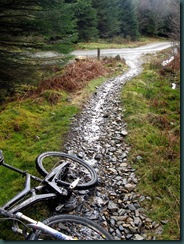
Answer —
74 183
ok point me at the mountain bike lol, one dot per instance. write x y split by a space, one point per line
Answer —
63 173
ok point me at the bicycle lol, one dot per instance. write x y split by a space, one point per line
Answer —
63 173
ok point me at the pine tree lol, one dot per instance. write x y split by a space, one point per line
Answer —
128 18
108 17
86 20
153 16
30 24
57 24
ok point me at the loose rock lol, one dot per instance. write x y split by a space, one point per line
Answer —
98 136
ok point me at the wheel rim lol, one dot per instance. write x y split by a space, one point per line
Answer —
78 168
78 229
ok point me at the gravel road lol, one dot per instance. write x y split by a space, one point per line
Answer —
149 48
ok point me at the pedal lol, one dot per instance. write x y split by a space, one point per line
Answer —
74 183
59 207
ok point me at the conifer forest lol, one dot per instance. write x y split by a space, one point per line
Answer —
59 24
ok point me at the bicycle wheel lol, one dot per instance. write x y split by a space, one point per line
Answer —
78 228
47 161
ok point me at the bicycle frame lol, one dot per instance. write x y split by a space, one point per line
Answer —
36 225
53 186
12 207
50 180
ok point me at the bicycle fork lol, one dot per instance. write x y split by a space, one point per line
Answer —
37 225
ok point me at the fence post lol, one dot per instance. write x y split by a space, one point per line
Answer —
98 53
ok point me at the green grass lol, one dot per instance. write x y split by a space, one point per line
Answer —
153 118
117 42
27 129
32 126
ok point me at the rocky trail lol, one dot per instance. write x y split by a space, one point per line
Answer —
98 136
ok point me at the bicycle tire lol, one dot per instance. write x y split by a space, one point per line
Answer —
82 168
75 226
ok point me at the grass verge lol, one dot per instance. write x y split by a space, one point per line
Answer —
116 42
152 112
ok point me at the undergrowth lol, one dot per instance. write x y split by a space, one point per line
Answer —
153 118
72 78
78 74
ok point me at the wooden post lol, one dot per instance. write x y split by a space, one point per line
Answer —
98 53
